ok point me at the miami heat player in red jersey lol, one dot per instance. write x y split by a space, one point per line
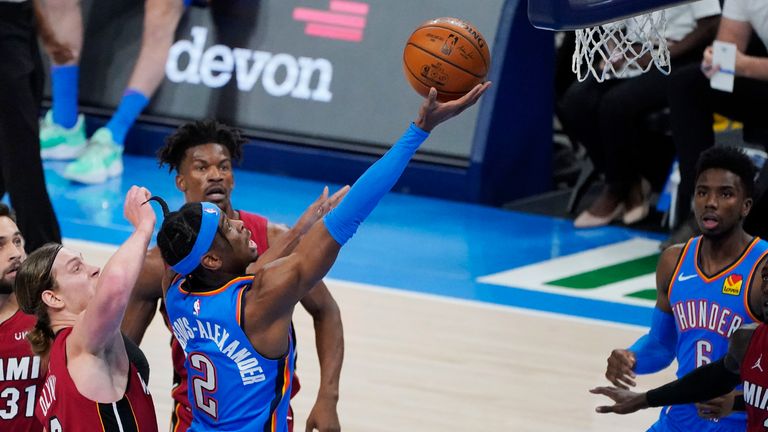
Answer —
61 407
92 381
20 376
754 374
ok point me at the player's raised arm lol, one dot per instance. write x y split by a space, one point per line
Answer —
101 321
317 252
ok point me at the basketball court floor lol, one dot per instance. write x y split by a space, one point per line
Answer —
457 317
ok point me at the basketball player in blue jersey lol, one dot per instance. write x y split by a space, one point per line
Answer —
235 328
703 291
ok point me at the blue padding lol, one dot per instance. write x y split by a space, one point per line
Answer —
208 226
577 14
375 182
656 350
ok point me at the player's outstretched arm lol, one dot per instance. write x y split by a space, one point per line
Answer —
100 324
318 249
701 384
285 281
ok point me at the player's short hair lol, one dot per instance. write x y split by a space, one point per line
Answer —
731 159
7 212
198 133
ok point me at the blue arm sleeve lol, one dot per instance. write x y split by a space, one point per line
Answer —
656 350
376 181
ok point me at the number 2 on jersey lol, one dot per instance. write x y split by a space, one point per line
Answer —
204 385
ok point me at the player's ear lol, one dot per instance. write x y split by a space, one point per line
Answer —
52 300
211 261
181 183
747 207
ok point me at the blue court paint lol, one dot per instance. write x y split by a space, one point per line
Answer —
410 243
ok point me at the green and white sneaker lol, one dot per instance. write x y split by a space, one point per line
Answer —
58 142
102 159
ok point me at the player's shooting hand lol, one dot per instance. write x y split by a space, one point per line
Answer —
620 372
716 408
137 210
626 401
707 67
432 112
323 417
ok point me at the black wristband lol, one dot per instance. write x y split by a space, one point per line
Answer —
702 384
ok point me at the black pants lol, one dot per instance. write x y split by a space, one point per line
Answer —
608 118
21 84
692 103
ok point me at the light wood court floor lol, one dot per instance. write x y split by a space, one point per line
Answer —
421 363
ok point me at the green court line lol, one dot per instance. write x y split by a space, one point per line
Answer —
608 275
647 294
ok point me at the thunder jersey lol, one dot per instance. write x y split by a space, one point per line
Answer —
181 417
707 310
62 408
753 374
231 386
20 376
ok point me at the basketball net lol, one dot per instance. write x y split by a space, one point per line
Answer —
622 49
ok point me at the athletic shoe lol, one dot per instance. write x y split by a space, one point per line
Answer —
58 142
102 159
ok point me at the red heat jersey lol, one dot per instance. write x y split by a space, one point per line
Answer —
181 418
754 373
20 376
258 226
61 407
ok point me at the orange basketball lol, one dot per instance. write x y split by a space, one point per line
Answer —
448 54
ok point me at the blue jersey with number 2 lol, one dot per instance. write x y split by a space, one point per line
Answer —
231 386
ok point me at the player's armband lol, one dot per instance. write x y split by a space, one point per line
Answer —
656 350
376 181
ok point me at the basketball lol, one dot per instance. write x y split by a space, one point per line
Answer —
448 54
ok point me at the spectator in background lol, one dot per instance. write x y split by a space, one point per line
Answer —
606 117
693 102
21 84
62 133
